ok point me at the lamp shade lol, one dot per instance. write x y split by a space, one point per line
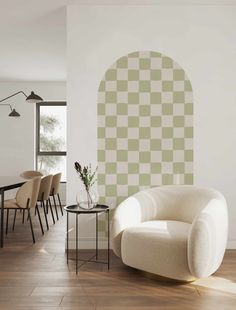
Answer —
14 113
33 98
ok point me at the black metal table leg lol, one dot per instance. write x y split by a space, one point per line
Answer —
67 237
76 210
76 238
108 240
2 218
96 236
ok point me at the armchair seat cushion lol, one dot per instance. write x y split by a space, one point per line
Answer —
159 247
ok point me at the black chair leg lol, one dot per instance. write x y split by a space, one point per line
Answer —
59 199
45 214
50 206
40 221
31 225
23 216
55 205
14 220
7 221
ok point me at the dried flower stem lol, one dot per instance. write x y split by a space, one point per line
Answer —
87 177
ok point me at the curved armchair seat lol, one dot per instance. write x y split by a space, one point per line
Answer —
179 232
158 247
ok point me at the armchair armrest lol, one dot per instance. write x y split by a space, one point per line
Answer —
127 214
134 210
207 238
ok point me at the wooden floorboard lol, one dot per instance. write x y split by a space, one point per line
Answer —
36 277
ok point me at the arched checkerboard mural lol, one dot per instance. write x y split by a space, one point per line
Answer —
145 126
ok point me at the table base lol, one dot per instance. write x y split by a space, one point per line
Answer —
91 259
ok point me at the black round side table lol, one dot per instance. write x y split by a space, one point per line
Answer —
76 210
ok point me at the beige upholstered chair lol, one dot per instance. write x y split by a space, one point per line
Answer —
179 232
43 196
30 174
26 198
55 192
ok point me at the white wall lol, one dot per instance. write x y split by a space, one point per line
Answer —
17 135
200 38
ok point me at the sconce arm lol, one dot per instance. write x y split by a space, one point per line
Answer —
19 92
6 104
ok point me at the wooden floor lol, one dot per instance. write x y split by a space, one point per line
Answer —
37 277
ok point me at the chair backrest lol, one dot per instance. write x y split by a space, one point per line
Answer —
45 187
55 184
28 190
179 202
173 202
30 174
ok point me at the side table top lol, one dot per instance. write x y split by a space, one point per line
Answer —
77 209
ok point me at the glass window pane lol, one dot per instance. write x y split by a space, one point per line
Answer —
52 165
52 128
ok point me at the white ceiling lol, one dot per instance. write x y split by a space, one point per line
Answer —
33 35
32 40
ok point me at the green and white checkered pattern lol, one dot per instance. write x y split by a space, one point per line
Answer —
145 126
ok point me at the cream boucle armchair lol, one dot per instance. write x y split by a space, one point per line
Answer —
179 232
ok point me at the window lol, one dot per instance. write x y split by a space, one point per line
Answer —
51 138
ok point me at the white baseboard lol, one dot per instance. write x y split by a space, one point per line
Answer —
231 245
87 243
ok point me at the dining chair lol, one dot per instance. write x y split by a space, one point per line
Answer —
26 198
55 192
43 196
29 174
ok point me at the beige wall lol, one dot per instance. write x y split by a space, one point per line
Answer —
17 135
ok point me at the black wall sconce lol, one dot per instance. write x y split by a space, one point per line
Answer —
32 98
13 112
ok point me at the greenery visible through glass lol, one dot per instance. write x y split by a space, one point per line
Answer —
52 128
52 165
52 138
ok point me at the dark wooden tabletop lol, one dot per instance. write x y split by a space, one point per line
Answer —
8 182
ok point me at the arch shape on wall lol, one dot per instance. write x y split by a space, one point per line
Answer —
145 126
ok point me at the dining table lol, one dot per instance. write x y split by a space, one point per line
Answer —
7 183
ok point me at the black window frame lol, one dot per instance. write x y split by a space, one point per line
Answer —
46 153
